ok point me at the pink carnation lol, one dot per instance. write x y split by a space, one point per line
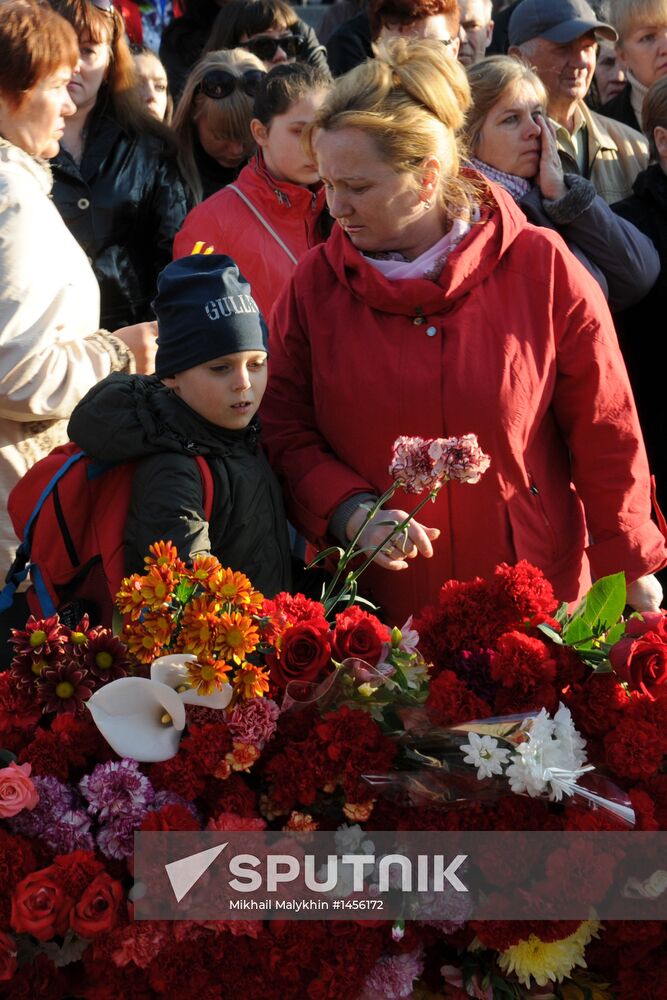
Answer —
420 464
17 791
230 821
393 976
253 721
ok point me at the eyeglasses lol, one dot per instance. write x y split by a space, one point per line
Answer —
105 5
219 83
447 41
266 46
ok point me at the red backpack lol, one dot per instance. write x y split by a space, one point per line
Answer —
70 512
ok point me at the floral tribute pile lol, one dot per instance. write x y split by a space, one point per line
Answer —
283 753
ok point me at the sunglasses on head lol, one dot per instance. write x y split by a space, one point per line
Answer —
104 5
219 83
265 46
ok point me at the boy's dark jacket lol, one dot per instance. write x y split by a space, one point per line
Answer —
135 417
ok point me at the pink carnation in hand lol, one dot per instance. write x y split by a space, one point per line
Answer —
420 464
17 791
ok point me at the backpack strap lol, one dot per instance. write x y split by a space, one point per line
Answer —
18 571
207 485
267 225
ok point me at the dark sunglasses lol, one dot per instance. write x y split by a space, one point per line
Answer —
219 83
265 46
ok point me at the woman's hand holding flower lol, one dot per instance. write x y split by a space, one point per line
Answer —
414 540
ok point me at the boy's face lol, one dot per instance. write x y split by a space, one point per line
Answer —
226 391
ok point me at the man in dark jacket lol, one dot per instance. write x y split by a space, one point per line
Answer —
203 400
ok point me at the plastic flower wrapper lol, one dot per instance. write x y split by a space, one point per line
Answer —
398 682
482 760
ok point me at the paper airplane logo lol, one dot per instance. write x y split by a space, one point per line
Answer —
185 872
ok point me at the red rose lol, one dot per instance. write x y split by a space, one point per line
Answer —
40 906
97 910
650 621
359 634
641 662
8 963
305 652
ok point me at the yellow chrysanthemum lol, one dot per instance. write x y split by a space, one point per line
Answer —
157 586
128 599
250 682
164 554
237 636
199 627
146 638
208 677
548 961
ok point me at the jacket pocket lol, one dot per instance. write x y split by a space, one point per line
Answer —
536 500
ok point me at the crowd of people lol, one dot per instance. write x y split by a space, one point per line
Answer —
221 238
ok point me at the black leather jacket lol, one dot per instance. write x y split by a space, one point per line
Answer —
123 203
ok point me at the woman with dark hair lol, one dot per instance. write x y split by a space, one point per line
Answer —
203 28
116 182
152 83
272 214
270 30
51 348
212 121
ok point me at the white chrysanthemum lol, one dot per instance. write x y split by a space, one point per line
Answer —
483 753
551 759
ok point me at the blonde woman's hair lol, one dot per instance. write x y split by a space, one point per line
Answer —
230 116
411 100
626 15
654 113
489 80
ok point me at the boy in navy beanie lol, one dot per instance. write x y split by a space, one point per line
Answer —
210 377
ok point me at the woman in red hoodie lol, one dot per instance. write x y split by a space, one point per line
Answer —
272 214
435 309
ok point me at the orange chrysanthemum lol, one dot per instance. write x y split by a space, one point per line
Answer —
205 570
250 682
208 677
199 627
243 756
157 586
129 599
146 638
237 636
164 554
234 588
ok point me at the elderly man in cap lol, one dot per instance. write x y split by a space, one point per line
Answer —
558 38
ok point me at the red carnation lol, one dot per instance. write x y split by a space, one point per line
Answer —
305 652
634 749
450 701
597 704
46 756
97 910
359 634
8 963
170 817
76 871
646 980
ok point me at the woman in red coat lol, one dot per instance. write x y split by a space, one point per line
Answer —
436 309
272 214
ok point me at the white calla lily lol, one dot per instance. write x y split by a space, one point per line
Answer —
139 718
173 671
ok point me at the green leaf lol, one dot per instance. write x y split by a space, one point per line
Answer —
324 554
6 757
605 601
615 633
550 633
562 615
578 631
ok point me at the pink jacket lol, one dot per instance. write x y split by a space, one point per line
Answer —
514 343
225 224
